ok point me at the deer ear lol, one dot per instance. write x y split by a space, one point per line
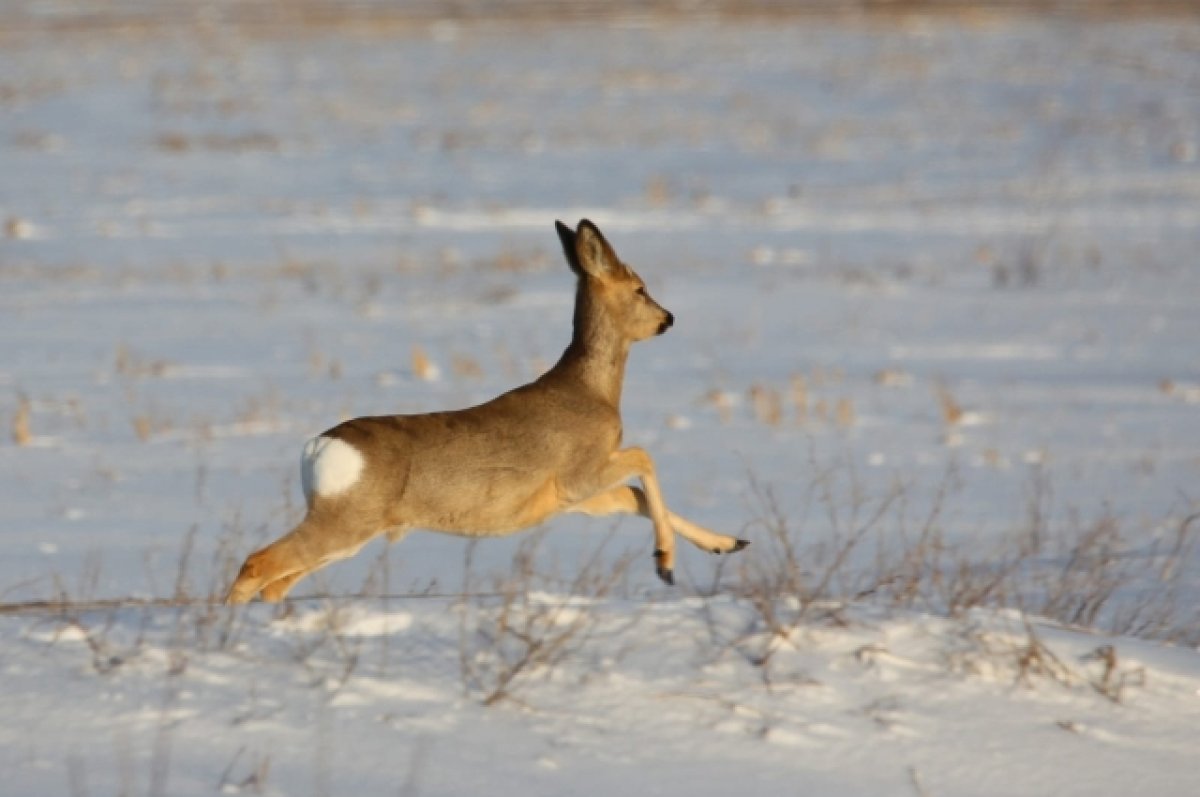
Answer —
595 256
567 236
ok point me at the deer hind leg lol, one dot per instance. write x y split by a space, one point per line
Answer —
275 569
277 561
632 501
278 589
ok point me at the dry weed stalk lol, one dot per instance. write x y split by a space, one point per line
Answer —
799 395
1034 658
845 413
723 404
17 228
527 630
254 782
466 367
788 584
893 378
658 191
1081 574
768 406
1028 659
21 434
131 365
334 671
952 411
1112 680
422 367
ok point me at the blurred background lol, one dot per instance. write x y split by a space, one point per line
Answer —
946 246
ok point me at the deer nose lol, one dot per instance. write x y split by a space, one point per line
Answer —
665 325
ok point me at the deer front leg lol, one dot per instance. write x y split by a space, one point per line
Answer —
629 463
632 501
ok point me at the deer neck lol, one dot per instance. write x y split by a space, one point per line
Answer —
597 353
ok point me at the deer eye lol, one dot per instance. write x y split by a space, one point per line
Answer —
641 291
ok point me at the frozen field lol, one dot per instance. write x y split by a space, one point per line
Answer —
936 291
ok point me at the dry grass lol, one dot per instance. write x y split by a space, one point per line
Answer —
1023 657
422 367
21 434
799 396
533 623
276 17
180 143
952 411
1094 573
767 404
254 781
812 402
791 578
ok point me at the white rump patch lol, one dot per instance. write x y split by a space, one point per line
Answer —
329 466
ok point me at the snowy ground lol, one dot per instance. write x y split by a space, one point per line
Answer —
888 705
914 254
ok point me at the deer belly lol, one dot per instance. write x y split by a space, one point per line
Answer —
499 504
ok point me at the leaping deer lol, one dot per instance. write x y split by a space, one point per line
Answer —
545 448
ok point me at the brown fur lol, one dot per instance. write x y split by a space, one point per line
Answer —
544 448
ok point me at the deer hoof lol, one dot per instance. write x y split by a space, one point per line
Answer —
739 545
665 573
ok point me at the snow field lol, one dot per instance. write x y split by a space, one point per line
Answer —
935 355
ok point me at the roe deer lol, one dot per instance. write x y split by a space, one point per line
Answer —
547 447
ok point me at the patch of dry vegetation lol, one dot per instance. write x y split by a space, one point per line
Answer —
530 622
